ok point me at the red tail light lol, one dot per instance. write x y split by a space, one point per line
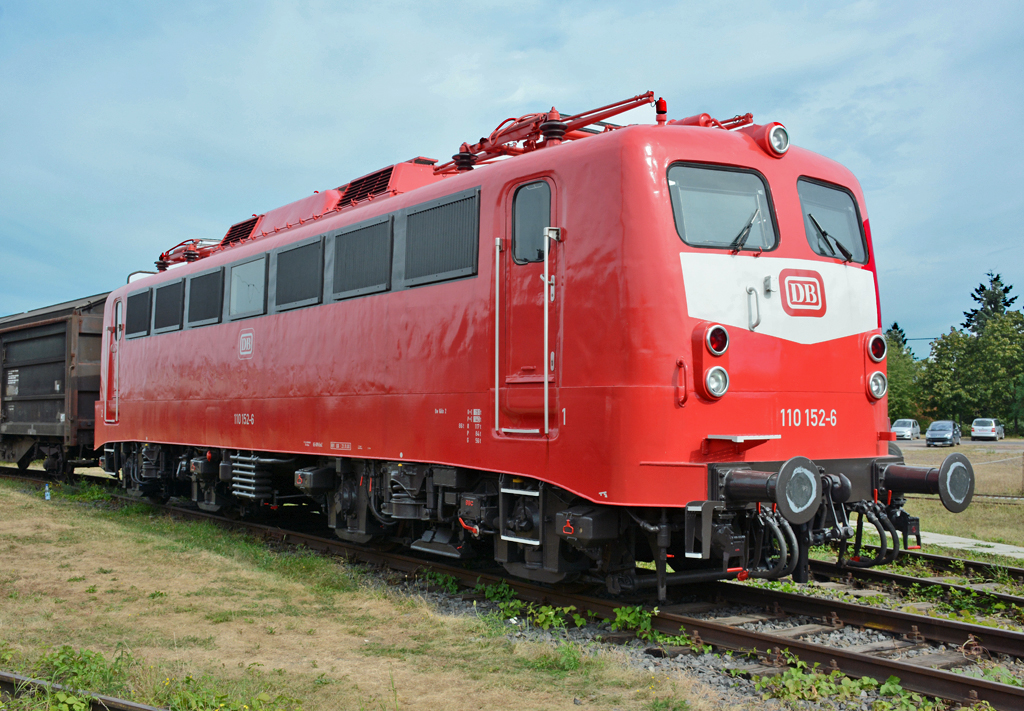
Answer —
717 340
877 348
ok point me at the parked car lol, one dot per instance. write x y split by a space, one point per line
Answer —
942 433
906 429
987 428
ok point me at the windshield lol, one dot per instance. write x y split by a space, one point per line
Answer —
903 423
941 426
982 423
831 221
721 208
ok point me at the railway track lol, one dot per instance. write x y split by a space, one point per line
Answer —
929 673
831 571
908 631
14 685
959 566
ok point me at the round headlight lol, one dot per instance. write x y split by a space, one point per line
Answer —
877 384
717 340
778 139
877 348
717 381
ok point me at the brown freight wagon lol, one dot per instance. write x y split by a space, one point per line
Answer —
49 384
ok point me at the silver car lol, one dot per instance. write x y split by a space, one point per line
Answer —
987 428
943 433
906 429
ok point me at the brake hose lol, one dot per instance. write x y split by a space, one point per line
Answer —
891 528
776 571
793 545
883 546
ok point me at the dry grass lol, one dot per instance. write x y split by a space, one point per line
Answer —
189 598
983 520
999 471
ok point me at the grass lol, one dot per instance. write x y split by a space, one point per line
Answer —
206 614
998 472
983 520
125 676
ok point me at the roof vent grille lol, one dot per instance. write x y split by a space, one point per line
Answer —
239 231
367 186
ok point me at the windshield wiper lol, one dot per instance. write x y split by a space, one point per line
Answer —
741 238
847 254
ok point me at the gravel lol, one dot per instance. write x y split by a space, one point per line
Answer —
711 669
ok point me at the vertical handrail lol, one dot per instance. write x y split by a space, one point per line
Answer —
544 296
497 328
550 233
751 321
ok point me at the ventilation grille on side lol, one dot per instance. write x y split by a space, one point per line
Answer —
362 188
239 231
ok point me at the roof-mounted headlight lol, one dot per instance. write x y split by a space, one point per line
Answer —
778 139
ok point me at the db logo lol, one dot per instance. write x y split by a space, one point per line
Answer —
245 344
803 292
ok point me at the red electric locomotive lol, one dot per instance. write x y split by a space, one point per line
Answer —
574 347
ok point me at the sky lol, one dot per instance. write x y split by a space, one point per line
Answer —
127 127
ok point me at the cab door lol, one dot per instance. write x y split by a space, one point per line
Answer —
112 369
531 307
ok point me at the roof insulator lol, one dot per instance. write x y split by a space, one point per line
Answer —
464 159
554 128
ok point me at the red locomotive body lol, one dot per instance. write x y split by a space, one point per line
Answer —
595 352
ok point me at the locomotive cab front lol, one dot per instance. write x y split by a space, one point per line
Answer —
776 328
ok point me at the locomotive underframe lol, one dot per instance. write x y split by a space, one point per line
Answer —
535 530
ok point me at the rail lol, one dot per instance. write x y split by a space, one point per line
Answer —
915 677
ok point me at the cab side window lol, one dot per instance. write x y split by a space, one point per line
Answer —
531 213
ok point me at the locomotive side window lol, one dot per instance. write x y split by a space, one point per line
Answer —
167 311
137 319
205 297
721 208
531 213
831 221
362 260
247 294
441 241
298 273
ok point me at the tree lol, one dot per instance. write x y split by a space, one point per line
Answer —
904 371
1017 410
992 299
946 377
1000 364
896 336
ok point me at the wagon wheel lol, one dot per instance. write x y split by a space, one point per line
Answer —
26 458
59 467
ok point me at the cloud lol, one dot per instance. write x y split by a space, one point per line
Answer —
125 130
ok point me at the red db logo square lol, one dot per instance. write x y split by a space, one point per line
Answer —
803 292
246 343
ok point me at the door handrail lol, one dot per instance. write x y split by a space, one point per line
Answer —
497 330
550 233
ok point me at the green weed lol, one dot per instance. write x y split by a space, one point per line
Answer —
448 583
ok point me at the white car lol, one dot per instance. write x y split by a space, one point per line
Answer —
985 428
906 429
